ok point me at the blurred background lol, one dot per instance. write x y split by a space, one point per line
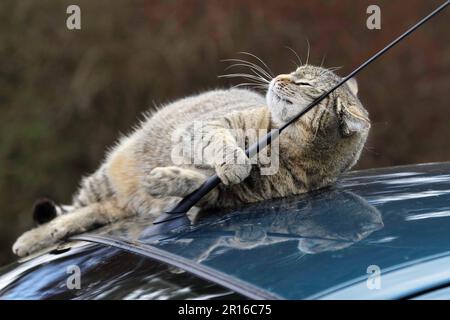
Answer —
65 96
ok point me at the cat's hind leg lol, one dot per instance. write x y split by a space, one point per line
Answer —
177 182
63 226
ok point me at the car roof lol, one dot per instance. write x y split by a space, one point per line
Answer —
331 243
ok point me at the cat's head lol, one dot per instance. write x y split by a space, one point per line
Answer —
288 94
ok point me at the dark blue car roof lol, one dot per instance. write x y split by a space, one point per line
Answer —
325 244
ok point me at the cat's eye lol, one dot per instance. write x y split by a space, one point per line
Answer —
302 83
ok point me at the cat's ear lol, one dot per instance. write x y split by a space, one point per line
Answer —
353 85
351 118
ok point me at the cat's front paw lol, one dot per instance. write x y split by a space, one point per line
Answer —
235 169
32 241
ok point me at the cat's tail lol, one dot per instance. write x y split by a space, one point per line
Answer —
61 227
93 189
45 209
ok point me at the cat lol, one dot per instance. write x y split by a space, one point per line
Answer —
142 175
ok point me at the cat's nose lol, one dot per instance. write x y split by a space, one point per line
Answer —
284 78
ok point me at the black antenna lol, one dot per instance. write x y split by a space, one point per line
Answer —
190 200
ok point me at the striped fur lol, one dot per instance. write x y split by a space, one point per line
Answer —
94 188
143 175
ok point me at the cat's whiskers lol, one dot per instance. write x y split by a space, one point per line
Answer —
323 60
260 77
309 49
296 54
371 150
251 65
262 85
245 76
335 68
252 85
260 60
252 69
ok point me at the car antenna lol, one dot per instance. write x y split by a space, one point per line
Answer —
191 199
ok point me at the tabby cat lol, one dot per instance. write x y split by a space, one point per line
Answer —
142 175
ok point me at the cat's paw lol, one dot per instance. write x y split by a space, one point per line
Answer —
160 181
235 169
32 241
59 232
65 226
